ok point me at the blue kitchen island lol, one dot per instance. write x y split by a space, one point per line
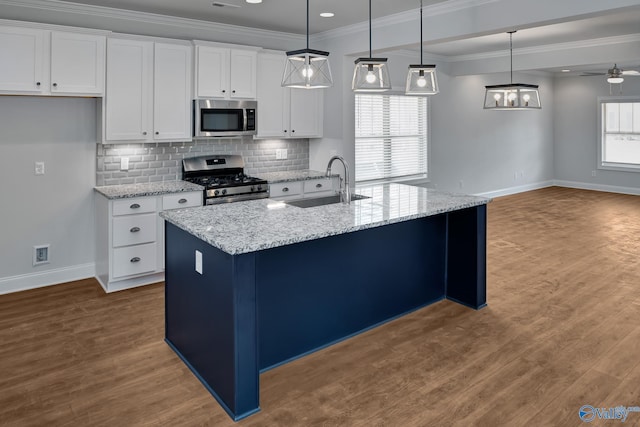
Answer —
252 285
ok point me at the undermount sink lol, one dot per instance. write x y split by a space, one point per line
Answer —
321 201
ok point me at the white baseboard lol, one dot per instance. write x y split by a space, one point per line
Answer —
41 279
598 187
518 189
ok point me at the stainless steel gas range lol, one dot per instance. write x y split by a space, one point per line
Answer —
223 178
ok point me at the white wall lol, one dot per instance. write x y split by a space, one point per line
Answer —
576 132
55 208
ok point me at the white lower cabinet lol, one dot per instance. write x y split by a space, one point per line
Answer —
319 187
130 238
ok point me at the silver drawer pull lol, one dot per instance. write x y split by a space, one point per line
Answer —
135 259
318 185
285 189
134 229
182 201
135 206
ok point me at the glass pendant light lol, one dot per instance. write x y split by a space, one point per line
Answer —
307 68
421 79
371 74
512 96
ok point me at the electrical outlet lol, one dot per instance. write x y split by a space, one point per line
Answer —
199 262
124 163
515 176
278 154
40 254
39 168
521 174
460 184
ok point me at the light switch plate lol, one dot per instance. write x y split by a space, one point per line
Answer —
39 168
124 163
199 262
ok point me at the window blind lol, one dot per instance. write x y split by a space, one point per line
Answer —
391 137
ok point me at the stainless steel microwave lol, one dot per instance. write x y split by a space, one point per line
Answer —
212 117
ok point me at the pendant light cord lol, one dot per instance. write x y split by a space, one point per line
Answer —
370 55
510 52
421 45
308 24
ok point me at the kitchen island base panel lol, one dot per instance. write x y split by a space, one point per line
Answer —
210 319
250 312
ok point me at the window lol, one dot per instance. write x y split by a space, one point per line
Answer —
391 137
620 134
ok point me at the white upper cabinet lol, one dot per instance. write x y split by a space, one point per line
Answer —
225 73
77 63
148 91
172 92
43 62
285 112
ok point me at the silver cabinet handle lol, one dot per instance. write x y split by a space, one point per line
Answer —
55 85
318 185
285 189
144 133
38 84
135 259
233 91
224 91
134 229
182 201
157 133
135 206
285 131
293 130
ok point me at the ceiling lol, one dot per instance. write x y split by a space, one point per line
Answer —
277 15
289 16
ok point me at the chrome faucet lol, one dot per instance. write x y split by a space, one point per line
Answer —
345 195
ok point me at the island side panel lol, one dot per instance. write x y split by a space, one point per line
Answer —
467 257
314 293
210 319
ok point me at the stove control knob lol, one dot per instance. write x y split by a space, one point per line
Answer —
253 188
215 193
224 192
259 187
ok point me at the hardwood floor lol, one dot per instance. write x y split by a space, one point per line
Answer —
562 330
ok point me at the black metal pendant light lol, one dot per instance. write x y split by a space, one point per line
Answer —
307 68
512 96
421 79
371 74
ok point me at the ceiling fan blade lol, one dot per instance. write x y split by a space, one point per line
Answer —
631 73
589 73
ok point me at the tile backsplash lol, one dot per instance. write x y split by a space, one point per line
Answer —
162 161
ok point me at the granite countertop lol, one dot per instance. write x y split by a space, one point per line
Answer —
255 225
146 189
286 176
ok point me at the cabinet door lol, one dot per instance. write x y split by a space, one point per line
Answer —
212 73
172 92
243 74
23 61
129 80
77 63
272 103
306 113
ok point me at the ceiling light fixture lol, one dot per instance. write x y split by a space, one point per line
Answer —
307 68
512 96
614 75
254 1
421 79
371 74
327 14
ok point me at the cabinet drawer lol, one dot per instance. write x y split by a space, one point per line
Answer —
134 206
134 229
285 189
131 260
318 185
181 200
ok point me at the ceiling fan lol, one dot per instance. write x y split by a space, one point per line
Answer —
615 74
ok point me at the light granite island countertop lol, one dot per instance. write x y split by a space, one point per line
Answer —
243 227
252 285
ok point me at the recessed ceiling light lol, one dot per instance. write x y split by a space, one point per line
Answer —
327 14
565 71
254 1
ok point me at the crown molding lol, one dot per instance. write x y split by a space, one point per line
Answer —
149 18
442 8
581 44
